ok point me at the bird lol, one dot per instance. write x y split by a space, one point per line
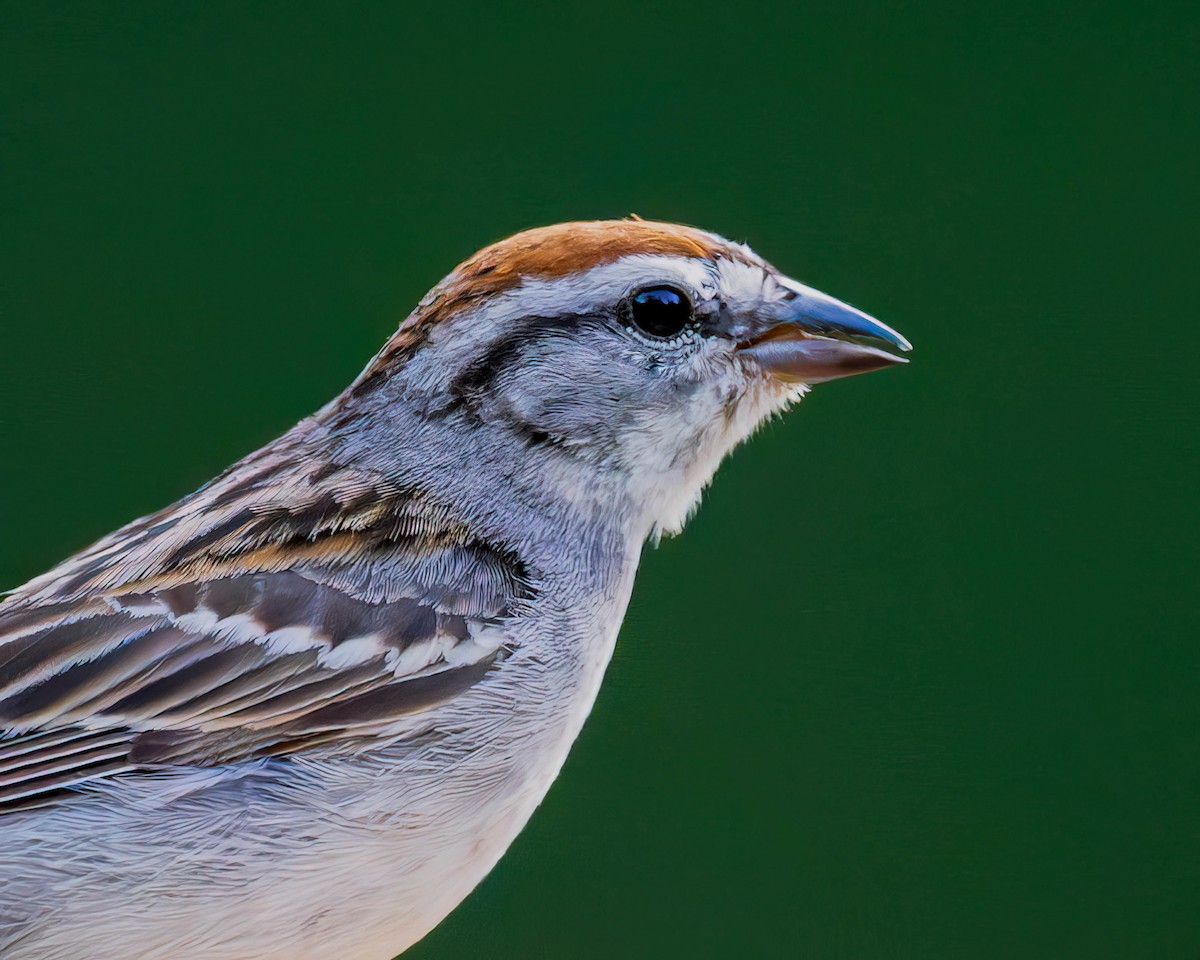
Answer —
302 712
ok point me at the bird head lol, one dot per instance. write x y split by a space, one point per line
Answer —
625 355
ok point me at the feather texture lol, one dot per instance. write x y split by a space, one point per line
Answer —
283 607
303 711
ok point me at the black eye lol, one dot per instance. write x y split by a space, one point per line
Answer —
662 312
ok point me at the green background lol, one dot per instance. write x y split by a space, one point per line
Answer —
921 678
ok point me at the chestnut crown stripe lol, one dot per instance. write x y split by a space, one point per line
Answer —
543 253
565 248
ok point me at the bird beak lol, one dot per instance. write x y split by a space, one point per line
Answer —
810 338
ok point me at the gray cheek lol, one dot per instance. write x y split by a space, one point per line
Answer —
580 396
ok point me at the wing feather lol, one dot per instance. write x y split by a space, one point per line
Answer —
257 665
293 603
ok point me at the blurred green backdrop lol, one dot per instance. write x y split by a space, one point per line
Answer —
921 679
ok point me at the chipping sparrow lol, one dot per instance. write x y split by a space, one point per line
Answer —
303 711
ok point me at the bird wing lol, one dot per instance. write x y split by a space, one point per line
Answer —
265 630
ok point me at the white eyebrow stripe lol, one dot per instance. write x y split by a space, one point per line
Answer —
597 288
745 283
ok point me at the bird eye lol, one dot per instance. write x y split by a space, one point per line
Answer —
661 312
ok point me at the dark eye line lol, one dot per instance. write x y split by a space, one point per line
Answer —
476 379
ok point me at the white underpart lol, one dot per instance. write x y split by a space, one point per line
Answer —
673 500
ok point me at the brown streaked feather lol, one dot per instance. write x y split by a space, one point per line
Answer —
34 768
31 659
185 688
381 706
94 685
239 701
46 789
132 655
283 706
266 513
157 662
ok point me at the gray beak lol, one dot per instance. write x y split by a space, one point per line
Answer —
811 338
